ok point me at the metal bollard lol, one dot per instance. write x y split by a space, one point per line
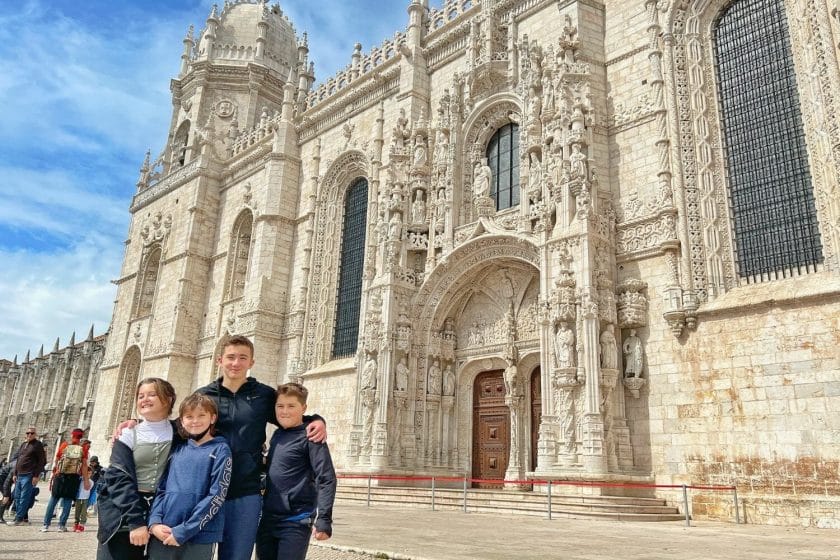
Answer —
737 507
433 493
368 494
549 500
685 505
465 494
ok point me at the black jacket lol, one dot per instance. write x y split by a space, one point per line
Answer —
6 475
301 479
120 503
243 416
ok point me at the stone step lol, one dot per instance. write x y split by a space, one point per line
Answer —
482 494
516 503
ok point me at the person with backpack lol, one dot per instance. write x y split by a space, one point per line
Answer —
69 471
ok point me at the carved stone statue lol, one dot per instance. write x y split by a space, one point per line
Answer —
420 153
534 175
481 179
395 227
435 380
448 381
418 208
578 162
633 360
401 376
609 358
564 346
369 373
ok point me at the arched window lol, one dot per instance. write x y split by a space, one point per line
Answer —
240 254
771 194
503 159
348 302
179 145
126 384
148 282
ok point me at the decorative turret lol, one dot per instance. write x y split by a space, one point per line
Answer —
72 342
189 45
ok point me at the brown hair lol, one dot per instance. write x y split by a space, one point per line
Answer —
197 400
238 340
163 388
295 390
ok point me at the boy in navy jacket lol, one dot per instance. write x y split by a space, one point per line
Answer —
185 513
301 483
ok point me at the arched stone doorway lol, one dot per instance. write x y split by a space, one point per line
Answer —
491 429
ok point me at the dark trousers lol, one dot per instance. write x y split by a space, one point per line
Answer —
286 541
120 548
187 551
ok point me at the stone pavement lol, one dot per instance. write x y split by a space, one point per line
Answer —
361 533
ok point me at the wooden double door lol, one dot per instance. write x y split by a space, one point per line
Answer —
491 426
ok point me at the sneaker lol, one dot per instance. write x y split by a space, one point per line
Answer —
19 522
45 529
81 528
62 529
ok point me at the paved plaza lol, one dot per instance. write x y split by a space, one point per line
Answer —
416 534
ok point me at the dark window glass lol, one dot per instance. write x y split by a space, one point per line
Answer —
771 194
503 159
349 297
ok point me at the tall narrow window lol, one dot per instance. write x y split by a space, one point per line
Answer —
771 193
349 298
240 254
148 282
503 159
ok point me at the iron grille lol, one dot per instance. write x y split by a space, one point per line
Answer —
503 159
348 302
770 189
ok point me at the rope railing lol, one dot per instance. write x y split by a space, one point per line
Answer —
466 481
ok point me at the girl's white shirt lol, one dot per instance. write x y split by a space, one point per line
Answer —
147 432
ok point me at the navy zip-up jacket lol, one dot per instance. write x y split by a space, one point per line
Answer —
301 479
242 419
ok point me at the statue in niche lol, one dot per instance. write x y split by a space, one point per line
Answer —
418 208
435 380
475 336
441 147
609 357
401 376
578 162
564 346
420 153
401 129
395 227
548 96
633 360
369 373
448 381
511 381
481 179
534 175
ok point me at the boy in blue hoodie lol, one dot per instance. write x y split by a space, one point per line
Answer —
185 513
300 488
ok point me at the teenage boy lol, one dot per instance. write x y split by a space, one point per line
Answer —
245 407
300 488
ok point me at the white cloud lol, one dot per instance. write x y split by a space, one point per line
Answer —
49 295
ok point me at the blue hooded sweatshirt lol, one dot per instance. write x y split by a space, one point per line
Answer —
192 492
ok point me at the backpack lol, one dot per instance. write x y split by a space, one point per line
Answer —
71 460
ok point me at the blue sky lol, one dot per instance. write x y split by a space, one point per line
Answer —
84 93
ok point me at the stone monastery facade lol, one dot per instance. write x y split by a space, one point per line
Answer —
566 239
54 392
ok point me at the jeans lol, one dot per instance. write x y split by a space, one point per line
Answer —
286 541
186 551
23 496
241 521
66 504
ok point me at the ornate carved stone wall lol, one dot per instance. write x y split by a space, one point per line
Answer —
55 393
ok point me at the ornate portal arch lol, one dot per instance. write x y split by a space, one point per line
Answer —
329 215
